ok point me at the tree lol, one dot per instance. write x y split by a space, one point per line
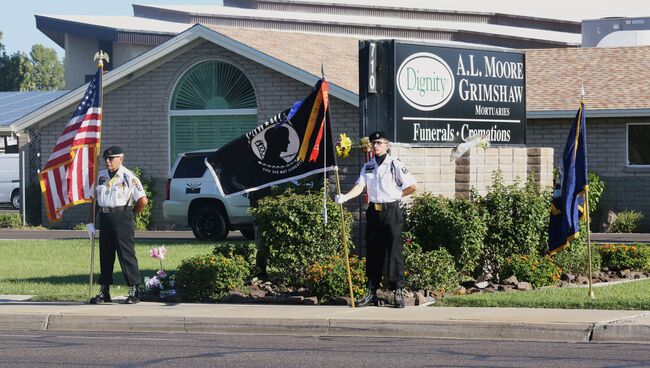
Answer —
13 71
42 72
46 72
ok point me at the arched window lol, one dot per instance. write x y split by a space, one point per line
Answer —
213 103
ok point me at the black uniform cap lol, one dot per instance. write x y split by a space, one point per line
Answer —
378 135
112 151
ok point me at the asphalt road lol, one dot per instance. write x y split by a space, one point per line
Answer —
7 208
61 349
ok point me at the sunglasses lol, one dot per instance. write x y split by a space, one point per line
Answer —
110 158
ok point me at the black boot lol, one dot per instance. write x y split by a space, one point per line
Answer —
399 299
369 299
104 296
134 295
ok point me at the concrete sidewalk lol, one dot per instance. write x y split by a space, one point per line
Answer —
429 322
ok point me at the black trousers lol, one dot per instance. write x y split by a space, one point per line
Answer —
384 238
116 236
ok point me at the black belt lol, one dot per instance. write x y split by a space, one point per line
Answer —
115 209
382 206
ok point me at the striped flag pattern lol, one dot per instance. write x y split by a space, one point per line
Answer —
69 175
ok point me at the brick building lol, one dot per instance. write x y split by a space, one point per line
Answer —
282 65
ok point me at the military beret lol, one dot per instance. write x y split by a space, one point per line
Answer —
113 151
378 135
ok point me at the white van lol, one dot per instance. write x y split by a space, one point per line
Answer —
9 181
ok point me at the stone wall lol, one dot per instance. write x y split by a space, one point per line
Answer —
438 172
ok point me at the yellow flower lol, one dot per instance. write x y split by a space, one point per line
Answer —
343 146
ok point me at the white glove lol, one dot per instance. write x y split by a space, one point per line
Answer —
340 198
91 230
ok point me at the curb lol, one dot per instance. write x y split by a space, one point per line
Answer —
565 332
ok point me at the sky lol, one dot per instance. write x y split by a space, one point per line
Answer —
18 25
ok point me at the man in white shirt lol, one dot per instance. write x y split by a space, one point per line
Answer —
120 197
387 180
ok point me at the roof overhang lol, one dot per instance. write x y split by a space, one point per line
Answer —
56 29
158 55
600 113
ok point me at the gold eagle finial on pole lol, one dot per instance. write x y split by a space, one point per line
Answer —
100 57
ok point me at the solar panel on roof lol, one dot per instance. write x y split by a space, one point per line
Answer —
15 105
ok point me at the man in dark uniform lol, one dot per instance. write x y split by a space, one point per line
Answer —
387 181
120 197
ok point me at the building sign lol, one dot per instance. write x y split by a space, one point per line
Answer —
443 95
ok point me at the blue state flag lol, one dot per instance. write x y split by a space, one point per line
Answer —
568 205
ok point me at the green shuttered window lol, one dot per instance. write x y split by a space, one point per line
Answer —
213 103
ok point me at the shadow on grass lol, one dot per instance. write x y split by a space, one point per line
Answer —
118 278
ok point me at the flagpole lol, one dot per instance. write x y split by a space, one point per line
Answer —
344 236
341 210
100 63
591 291
322 74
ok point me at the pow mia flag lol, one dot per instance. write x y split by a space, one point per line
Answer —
285 148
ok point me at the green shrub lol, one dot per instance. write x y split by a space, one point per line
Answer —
574 258
433 271
620 257
328 279
627 222
539 271
10 220
455 224
143 219
596 189
210 277
79 226
517 221
245 249
293 227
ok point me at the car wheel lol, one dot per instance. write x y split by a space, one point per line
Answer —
15 199
248 233
208 224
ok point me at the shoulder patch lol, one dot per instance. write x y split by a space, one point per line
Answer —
405 170
370 168
136 184
101 180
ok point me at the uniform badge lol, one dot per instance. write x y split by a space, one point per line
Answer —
136 184
370 168
101 180
405 170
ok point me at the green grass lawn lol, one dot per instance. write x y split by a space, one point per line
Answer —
624 296
57 270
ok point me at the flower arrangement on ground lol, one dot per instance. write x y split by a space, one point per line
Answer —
162 283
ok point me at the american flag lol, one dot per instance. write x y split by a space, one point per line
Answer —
69 175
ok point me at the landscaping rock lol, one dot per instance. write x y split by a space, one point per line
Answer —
512 280
420 298
524 286
482 284
567 277
310 300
